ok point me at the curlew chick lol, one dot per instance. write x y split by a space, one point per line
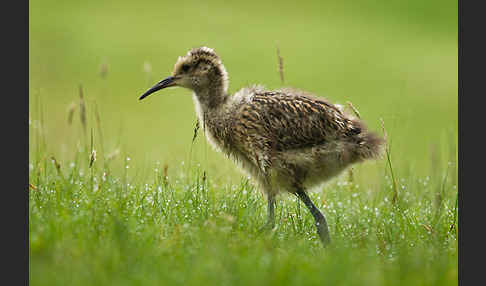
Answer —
287 140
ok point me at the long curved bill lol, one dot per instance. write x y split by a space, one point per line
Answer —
160 85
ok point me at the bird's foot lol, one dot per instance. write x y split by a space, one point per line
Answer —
323 232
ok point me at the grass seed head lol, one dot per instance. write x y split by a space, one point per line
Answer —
82 108
113 154
165 173
196 128
280 64
356 112
56 164
147 67
71 110
384 131
103 70
92 158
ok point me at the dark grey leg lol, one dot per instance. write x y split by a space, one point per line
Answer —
321 224
270 213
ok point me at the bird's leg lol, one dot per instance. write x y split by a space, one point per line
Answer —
270 213
321 224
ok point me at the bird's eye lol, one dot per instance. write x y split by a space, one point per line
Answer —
185 68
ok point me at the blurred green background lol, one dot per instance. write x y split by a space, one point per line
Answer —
395 60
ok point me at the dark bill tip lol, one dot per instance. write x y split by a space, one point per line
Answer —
160 85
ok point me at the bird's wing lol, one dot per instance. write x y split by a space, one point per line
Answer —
287 120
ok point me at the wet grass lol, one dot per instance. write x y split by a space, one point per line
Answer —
89 225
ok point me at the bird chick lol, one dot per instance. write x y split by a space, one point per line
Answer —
287 140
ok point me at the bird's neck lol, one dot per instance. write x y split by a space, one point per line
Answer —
212 113
212 98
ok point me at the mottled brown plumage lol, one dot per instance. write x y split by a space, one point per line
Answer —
287 139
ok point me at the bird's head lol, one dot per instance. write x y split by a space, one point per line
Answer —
198 70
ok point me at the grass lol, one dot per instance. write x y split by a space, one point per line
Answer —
121 193
92 228
90 225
